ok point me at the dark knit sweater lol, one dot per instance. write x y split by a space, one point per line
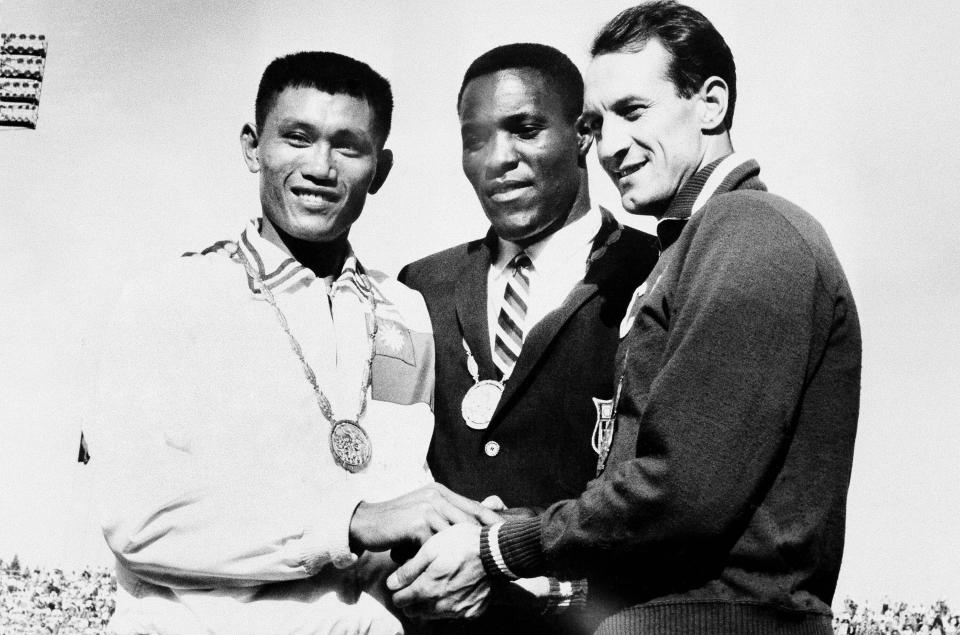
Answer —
722 507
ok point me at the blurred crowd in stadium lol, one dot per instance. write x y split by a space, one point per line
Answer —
37 600
896 618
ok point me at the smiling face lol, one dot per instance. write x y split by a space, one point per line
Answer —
649 139
318 157
520 153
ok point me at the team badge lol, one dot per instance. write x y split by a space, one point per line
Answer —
603 430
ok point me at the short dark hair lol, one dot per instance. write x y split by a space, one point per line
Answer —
548 61
331 73
696 48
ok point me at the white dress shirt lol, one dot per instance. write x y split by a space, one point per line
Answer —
559 261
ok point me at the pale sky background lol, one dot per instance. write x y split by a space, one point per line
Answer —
850 107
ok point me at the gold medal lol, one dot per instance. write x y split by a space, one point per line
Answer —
350 445
480 402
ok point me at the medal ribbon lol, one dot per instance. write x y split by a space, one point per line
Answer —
324 404
474 369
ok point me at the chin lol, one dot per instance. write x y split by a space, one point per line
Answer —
643 206
325 237
630 206
511 226
312 234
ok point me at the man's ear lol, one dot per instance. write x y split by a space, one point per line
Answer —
584 141
384 165
713 99
248 144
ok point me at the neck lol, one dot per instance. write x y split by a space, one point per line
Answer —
581 204
716 147
322 258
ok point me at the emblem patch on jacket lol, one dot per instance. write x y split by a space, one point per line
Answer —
603 430
402 364
394 340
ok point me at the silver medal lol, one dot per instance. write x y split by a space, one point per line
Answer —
480 402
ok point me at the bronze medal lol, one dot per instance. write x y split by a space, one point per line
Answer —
350 445
480 402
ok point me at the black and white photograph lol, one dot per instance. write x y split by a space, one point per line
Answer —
444 317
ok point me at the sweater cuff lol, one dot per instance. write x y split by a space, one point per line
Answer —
327 540
512 549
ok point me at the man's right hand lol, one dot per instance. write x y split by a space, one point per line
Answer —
413 518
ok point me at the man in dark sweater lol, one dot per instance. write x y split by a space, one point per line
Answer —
721 508
518 107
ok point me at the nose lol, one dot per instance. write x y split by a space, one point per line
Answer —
501 154
613 142
319 165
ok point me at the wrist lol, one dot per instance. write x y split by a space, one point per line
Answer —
490 555
358 531
512 549
326 537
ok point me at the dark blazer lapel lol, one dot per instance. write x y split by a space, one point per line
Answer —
471 303
599 268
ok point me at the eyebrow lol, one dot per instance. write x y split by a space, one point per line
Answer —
630 100
293 122
620 104
511 119
525 116
359 133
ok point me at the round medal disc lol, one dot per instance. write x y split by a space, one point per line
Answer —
350 445
480 402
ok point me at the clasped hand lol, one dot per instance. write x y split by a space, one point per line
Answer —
445 579
410 520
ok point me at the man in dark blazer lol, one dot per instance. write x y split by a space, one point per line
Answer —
518 107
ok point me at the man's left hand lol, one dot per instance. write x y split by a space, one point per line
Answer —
445 579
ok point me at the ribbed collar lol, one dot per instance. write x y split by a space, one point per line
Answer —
719 176
280 272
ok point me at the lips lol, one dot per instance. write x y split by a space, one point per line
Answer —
315 196
506 190
626 171
621 176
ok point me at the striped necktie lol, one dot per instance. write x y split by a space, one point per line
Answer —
513 313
